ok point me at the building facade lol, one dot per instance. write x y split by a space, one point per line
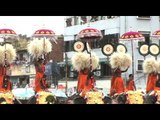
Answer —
112 27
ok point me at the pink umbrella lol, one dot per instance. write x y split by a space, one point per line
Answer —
45 33
154 48
8 35
89 33
130 36
156 34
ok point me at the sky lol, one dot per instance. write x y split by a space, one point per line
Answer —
27 25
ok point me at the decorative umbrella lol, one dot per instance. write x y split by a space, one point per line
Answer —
131 36
88 35
154 48
45 33
156 34
8 36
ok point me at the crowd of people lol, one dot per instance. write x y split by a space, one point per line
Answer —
85 64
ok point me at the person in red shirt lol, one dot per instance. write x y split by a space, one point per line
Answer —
3 72
7 84
117 83
130 83
157 84
43 82
151 82
40 68
85 80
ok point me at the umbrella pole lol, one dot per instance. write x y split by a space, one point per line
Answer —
5 57
66 60
43 47
132 57
89 51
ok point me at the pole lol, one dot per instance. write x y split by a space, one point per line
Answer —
132 57
89 51
5 57
66 75
43 47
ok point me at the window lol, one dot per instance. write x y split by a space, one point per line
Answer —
75 20
110 17
110 38
27 69
146 34
103 32
102 17
69 22
140 43
95 44
144 17
75 36
83 20
94 18
68 46
140 65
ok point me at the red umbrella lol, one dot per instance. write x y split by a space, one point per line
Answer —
156 34
130 36
45 33
89 33
8 33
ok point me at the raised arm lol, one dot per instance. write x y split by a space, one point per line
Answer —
125 70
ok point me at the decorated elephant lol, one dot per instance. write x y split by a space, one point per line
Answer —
8 98
129 97
43 97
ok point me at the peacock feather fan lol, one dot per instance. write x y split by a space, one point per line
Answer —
79 61
10 53
37 47
150 65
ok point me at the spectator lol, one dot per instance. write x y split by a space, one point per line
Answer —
130 83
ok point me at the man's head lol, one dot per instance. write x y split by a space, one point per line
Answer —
130 76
